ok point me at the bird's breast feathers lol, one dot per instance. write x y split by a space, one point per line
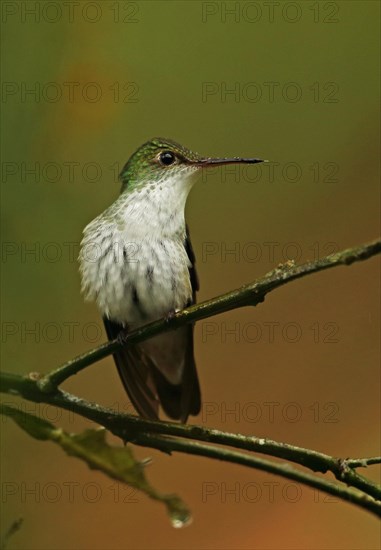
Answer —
135 277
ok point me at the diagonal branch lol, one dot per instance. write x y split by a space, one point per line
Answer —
248 295
285 470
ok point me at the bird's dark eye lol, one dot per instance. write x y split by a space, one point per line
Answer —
167 158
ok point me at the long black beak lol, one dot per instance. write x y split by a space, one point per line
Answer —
220 161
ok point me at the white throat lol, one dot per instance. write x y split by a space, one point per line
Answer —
156 207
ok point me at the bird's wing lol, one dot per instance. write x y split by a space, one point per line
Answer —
181 400
135 371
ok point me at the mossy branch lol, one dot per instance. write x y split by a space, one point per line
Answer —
170 437
248 295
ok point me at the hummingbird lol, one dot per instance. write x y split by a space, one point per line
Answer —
137 263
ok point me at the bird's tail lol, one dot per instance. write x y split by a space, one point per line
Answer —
149 386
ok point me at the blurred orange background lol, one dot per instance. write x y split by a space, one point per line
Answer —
84 84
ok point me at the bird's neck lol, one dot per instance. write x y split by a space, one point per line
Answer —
157 208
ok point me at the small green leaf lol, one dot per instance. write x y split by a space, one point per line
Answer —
91 446
34 426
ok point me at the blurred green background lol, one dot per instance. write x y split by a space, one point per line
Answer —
304 93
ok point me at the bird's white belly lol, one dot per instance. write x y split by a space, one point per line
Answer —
135 280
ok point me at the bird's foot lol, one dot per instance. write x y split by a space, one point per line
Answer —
122 336
170 315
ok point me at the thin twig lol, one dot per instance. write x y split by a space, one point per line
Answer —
362 462
14 527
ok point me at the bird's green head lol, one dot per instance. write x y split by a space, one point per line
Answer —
156 160
160 159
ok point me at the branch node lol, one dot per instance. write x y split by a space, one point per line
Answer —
46 385
343 467
43 382
35 376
